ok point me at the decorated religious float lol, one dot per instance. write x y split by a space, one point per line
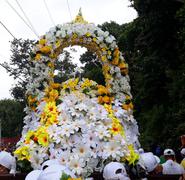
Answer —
79 122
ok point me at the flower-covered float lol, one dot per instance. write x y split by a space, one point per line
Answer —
82 124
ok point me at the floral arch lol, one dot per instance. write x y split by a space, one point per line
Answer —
61 118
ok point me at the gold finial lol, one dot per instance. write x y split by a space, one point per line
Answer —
79 18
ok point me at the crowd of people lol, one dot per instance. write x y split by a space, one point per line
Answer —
148 165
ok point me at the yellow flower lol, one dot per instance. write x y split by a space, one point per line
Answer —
133 157
55 85
29 136
58 43
75 36
108 108
103 58
115 61
107 99
45 49
117 129
88 34
38 56
50 107
86 83
42 41
128 106
102 90
94 39
74 178
53 94
43 139
22 153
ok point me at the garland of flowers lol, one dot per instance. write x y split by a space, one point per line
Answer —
81 123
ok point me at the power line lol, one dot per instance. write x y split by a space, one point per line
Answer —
69 10
21 18
7 30
49 13
27 18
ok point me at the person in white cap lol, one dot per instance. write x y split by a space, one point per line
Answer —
183 155
170 166
33 175
115 171
150 162
54 172
7 163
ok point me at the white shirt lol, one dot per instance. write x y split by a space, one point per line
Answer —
171 167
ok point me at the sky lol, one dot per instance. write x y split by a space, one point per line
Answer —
62 11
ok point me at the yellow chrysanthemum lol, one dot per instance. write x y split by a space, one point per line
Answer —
45 49
102 90
117 129
86 83
38 56
43 139
42 41
88 34
127 107
53 94
22 153
50 107
29 135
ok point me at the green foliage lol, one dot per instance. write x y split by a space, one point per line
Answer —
23 166
92 67
19 66
11 115
64 67
65 176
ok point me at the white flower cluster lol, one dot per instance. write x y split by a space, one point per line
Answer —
81 139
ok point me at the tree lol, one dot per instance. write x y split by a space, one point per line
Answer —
92 67
157 59
11 115
20 66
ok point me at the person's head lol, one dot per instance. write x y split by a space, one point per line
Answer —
183 152
149 161
7 162
169 154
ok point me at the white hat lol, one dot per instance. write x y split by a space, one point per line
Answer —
7 160
141 150
115 170
49 163
149 160
183 151
171 167
54 172
169 152
33 175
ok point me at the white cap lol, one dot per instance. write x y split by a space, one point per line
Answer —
49 163
169 152
115 170
141 150
171 167
7 160
183 151
54 172
33 175
149 161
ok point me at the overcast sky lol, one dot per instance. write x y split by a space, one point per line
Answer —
96 11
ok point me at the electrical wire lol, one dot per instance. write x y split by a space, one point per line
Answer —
27 18
69 9
21 18
49 13
7 30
